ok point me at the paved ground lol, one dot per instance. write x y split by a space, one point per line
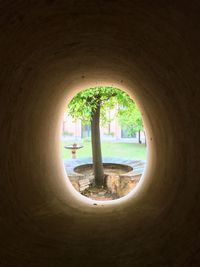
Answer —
137 165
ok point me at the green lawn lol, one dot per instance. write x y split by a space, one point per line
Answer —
109 149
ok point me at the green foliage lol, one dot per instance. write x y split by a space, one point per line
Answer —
67 133
130 119
85 103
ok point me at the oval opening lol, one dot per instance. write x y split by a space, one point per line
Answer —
103 143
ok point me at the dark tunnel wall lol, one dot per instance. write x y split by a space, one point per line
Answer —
49 50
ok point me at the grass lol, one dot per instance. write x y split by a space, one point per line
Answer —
109 149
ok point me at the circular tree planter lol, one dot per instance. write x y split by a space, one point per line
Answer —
120 180
108 167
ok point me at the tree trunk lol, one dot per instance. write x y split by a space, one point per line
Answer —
139 137
96 148
145 141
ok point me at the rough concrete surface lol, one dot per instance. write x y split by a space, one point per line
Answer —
49 50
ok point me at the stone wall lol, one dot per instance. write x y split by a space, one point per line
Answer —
121 185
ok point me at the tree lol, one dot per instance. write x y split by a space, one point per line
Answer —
130 119
91 106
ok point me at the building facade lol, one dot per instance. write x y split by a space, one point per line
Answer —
75 129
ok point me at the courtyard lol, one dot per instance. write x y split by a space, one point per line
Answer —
131 155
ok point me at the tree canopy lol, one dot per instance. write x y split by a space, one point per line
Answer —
130 119
83 105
